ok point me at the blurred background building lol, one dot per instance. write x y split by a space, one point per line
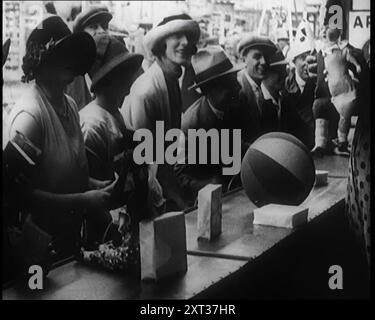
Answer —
223 20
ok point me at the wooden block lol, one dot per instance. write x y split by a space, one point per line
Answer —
163 246
277 215
209 212
321 178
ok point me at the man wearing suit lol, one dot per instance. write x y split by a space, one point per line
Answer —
218 108
255 51
300 91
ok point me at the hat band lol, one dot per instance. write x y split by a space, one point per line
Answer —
213 71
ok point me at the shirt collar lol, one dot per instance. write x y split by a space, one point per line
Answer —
300 82
219 114
267 95
253 84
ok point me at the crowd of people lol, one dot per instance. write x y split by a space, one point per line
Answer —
88 95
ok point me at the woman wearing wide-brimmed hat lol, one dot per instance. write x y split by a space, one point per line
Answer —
60 186
155 95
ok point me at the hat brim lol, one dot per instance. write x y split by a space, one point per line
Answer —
159 33
295 55
232 70
124 61
102 16
264 47
78 50
279 63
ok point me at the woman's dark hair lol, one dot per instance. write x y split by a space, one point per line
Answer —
37 54
159 49
33 59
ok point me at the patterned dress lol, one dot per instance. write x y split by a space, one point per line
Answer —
358 195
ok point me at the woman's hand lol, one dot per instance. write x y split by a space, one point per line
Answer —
95 184
96 199
99 199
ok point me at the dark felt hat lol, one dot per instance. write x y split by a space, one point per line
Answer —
111 54
91 15
63 46
211 63
254 41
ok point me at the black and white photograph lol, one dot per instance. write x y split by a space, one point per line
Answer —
159 151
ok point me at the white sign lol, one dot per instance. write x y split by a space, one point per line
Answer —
359 28
361 4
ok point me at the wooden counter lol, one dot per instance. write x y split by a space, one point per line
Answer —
209 264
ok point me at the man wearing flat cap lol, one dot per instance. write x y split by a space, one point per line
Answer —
279 112
271 87
255 51
300 89
93 20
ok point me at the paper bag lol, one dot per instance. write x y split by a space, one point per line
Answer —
163 246
209 212
283 216
321 178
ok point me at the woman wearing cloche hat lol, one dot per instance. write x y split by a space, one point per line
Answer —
106 138
155 95
48 118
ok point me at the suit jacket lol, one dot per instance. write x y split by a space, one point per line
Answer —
201 116
298 116
250 115
188 97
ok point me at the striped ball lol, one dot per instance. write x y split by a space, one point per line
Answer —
277 168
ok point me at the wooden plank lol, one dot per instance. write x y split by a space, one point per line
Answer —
337 165
75 281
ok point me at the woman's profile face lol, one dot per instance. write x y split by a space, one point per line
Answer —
179 49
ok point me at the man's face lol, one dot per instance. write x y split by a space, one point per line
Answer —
179 49
302 67
119 86
256 64
96 28
225 90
